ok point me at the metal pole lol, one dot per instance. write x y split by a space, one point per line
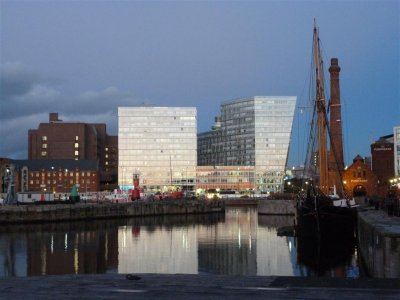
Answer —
170 170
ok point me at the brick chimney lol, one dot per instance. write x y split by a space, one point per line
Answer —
53 117
336 162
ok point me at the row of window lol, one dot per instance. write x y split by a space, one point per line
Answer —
61 174
54 182
44 138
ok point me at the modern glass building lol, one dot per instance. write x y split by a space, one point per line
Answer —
252 131
159 144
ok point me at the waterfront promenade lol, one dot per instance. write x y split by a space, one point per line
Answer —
188 287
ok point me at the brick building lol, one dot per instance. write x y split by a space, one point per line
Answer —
56 176
58 140
382 153
359 180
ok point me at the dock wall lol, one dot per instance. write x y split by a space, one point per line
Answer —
379 242
83 211
277 207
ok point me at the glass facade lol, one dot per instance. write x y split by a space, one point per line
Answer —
159 145
255 132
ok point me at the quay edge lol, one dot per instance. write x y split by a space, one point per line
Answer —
85 211
379 242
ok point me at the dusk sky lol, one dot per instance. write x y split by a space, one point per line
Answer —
83 59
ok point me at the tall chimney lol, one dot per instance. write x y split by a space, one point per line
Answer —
336 162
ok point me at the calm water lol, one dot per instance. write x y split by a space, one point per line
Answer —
237 242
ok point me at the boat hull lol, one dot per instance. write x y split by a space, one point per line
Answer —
326 223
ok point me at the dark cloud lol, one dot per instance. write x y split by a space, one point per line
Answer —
15 79
27 99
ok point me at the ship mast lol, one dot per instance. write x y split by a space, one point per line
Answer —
321 114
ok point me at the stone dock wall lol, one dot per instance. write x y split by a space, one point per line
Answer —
379 242
85 211
277 207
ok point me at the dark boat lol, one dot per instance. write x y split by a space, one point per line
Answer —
321 211
317 216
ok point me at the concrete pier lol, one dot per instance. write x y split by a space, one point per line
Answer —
379 242
189 286
85 211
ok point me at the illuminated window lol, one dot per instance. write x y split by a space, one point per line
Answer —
76 145
44 146
76 152
88 174
44 138
106 163
44 153
106 149
106 155
76 138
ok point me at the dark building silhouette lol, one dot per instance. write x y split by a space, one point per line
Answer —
58 140
382 152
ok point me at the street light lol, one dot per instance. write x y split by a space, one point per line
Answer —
65 179
51 178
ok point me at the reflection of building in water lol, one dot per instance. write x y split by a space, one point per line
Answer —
164 250
230 248
274 253
71 253
58 250
12 255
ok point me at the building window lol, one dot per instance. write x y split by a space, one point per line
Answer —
106 155
76 145
76 152
44 153
44 138
88 174
106 149
76 138
44 146
106 163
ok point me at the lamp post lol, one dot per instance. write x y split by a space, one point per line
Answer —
170 170
51 178
65 179
122 179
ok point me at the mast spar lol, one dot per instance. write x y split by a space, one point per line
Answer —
321 114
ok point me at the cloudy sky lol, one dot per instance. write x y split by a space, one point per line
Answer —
83 59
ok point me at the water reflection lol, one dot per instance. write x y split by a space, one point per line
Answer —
238 242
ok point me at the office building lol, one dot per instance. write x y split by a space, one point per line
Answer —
252 131
158 144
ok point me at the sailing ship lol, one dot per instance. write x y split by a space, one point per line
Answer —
324 210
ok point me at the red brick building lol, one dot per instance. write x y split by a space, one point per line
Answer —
58 140
359 180
382 152
56 176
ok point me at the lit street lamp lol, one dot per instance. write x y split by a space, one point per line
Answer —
51 179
